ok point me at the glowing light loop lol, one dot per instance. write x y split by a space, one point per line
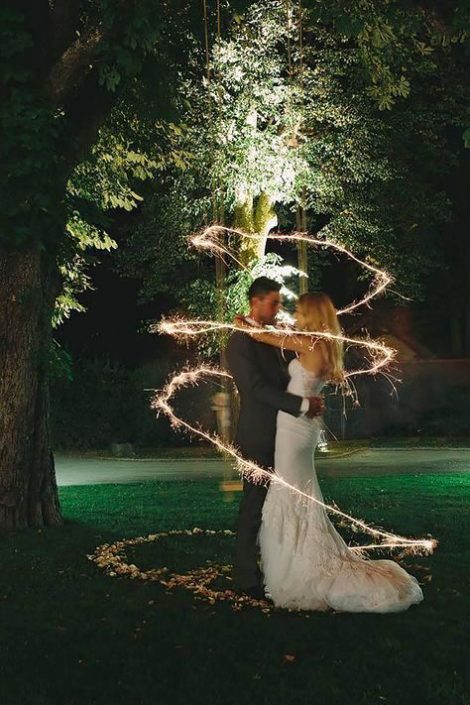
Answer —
257 474
212 239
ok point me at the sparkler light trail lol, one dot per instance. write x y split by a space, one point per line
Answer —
213 239
380 353
256 474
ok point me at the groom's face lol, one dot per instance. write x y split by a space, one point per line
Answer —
266 307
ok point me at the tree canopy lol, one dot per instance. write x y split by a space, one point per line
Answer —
356 113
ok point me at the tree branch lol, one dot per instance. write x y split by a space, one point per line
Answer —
87 110
73 63
64 21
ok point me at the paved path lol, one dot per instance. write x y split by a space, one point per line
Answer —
91 471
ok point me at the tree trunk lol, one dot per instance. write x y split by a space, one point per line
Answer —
302 249
466 316
456 341
28 489
259 220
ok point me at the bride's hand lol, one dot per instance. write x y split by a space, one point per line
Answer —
316 408
240 321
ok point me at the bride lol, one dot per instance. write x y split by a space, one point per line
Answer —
305 562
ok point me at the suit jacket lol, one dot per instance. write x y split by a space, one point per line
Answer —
261 377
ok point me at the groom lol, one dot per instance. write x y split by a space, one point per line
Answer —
260 375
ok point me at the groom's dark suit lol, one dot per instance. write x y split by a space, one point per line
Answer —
261 377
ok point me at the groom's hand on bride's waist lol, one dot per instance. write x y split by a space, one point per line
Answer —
316 407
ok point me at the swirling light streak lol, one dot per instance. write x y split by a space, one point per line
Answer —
257 474
382 354
211 239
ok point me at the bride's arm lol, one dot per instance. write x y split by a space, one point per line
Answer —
285 341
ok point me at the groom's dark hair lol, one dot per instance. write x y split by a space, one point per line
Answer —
262 286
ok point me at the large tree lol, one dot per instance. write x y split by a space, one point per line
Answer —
65 66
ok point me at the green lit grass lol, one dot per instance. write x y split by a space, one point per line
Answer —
72 635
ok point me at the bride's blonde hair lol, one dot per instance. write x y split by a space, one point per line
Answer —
319 314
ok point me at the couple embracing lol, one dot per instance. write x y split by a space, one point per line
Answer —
304 563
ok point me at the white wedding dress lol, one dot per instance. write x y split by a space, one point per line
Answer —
305 562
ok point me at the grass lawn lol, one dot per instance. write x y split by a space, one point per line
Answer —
72 635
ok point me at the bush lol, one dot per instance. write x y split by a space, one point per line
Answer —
99 403
451 417
104 403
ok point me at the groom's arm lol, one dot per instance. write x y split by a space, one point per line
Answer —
249 381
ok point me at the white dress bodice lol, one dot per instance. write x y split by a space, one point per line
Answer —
303 382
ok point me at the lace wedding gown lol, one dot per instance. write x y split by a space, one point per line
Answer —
305 562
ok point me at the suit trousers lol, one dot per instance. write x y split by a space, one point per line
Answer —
246 571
